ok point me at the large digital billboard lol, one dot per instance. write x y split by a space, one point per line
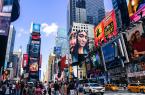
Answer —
34 50
99 33
78 44
137 16
136 43
33 65
106 28
4 25
110 25
134 6
35 27
25 60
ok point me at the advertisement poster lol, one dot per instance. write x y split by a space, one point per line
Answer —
35 27
99 33
4 25
25 60
33 66
135 43
134 6
137 16
34 50
106 29
110 25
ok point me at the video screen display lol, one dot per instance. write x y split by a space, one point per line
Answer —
33 65
34 50
136 43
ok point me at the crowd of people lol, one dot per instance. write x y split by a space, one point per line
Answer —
47 88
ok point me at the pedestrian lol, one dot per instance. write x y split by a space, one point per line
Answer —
65 88
56 88
31 89
49 88
17 88
25 90
38 90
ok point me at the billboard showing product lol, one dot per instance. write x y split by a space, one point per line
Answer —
4 25
106 29
110 25
33 65
134 6
99 33
135 43
34 50
7 6
138 14
35 27
25 60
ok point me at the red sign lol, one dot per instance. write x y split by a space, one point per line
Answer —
106 28
137 15
25 60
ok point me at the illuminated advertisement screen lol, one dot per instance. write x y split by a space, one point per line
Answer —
99 33
33 66
35 37
25 60
36 27
34 50
134 6
4 25
7 6
57 50
136 43
106 29
110 25
138 14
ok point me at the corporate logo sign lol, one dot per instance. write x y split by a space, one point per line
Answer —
35 27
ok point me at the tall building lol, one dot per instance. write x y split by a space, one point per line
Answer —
9 12
10 45
95 11
76 12
62 41
121 11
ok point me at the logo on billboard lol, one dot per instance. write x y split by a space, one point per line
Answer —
36 27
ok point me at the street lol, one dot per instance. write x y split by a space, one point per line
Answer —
122 93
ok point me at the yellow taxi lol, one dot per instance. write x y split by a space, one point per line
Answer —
136 87
111 87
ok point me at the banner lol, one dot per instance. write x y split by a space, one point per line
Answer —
25 60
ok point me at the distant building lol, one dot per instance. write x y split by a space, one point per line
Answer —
121 11
10 45
95 11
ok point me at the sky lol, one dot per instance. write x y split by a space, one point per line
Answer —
51 14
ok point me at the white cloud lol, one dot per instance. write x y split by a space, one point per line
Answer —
21 32
49 29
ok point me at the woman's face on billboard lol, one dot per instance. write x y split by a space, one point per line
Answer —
82 38
72 41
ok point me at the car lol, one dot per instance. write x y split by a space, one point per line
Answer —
136 87
94 88
111 87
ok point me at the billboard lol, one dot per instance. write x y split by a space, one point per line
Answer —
35 27
135 43
78 44
57 50
4 25
99 33
7 6
34 50
137 15
106 28
25 60
33 65
35 37
134 6
110 25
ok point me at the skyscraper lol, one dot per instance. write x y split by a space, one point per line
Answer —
82 11
95 11
121 11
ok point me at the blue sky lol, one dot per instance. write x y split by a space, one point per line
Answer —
51 13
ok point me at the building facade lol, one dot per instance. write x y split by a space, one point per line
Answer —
10 45
121 11
95 11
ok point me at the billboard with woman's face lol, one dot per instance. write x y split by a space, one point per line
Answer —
136 43
82 42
